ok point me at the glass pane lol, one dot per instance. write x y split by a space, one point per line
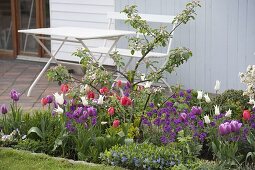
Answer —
6 25
27 21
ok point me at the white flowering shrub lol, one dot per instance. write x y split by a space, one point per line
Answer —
248 78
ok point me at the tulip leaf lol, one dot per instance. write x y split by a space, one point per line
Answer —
35 130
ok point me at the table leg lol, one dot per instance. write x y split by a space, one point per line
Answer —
110 49
47 64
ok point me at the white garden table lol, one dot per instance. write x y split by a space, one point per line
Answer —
71 34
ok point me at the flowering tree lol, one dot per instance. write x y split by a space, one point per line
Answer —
124 103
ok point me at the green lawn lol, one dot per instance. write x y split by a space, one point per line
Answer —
22 160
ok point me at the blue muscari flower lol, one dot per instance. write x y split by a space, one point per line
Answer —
172 163
151 105
124 159
181 93
136 161
114 154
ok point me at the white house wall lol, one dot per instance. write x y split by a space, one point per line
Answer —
78 13
222 39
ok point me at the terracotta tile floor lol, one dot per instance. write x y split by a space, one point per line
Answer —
19 75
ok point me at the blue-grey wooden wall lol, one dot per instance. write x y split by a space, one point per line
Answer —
222 39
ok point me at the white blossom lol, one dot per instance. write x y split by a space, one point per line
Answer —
207 119
228 113
216 110
59 98
207 98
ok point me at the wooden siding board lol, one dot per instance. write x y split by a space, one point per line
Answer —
242 23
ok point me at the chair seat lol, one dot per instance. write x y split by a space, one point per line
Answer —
126 52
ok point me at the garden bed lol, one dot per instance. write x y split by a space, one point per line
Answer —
134 124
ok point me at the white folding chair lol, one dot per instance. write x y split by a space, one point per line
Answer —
150 18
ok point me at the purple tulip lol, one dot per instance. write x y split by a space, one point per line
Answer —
49 99
226 128
14 95
235 126
222 129
4 109
92 111
183 116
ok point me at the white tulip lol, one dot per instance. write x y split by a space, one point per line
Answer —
82 88
217 85
199 95
252 101
100 99
207 119
148 84
217 110
84 101
228 113
207 98
59 98
87 88
103 123
58 110
143 77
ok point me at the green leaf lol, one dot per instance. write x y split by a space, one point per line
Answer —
121 134
37 131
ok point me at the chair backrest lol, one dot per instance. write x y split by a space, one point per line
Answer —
152 18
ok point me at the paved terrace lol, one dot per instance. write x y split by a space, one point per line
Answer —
18 75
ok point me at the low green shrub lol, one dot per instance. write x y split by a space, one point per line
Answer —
233 100
143 156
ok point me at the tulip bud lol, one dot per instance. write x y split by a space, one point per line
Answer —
246 115
64 88
44 101
207 119
4 109
199 95
111 111
100 100
87 88
49 98
84 101
119 83
216 110
59 98
228 113
207 98
217 85
183 116
104 90
125 101
58 110
15 95
116 123
90 95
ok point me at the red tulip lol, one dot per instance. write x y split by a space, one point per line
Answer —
246 115
104 90
119 83
116 123
111 111
91 95
44 101
125 101
64 88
